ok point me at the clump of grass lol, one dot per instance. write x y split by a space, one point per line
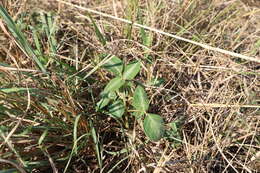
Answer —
68 102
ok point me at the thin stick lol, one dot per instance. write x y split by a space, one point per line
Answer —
205 46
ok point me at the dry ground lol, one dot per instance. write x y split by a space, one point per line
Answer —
213 99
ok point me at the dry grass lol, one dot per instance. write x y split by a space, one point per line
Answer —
214 97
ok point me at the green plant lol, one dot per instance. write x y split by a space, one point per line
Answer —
122 93
20 38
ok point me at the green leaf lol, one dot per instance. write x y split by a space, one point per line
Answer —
114 84
174 128
115 65
42 137
140 99
146 37
105 99
102 103
117 109
131 70
154 127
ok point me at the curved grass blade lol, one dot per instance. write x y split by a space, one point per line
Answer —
98 32
20 38
49 26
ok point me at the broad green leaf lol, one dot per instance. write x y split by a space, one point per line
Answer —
114 84
154 127
115 65
116 109
131 70
140 99
105 99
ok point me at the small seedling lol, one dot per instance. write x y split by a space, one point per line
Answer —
115 97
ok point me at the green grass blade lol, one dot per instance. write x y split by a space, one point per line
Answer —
12 90
98 32
97 143
50 29
9 171
118 163
20 38
72 152
75 134
37 40
42 137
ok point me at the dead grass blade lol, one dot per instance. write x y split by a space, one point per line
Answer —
205 46
217 105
